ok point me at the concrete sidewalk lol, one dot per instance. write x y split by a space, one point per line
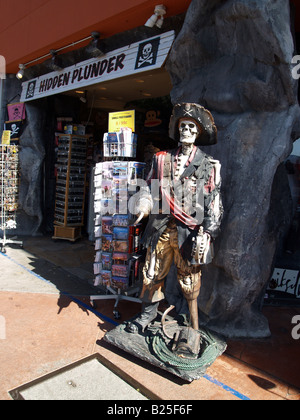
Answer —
48 323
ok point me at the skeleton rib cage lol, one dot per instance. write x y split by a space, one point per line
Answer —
9 184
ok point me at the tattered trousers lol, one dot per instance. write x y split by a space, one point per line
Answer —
167 251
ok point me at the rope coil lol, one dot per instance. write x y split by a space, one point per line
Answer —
164 354
161 350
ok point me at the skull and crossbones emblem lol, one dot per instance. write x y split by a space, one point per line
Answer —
147 55
14 129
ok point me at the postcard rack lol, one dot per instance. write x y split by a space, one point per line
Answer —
9 165
117 241
70 187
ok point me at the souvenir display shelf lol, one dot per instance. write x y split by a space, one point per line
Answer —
9 165
70 186
117 240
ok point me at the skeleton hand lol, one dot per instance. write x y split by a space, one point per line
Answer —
204 239
141 205
201 245
140 217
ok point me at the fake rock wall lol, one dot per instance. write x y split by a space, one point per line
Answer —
233 57
32 154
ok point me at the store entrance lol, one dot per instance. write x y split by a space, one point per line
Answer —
85 112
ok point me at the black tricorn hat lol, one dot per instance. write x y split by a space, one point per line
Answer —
201 116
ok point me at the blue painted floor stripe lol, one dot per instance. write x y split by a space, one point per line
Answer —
88 307
111 321
102 316
26 269
227 388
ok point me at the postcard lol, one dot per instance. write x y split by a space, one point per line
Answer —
121 220
119 282
98 219
120 182
107 170
106 278
120 169
97 268
120 246
106 260
98 256
106 188
98 280
120 258
98 194
107 243
107 225
98 231
97 206
136 170
108 206
97 181
98 244
119 270
121 233
98 169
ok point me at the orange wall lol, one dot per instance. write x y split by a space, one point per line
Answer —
30 28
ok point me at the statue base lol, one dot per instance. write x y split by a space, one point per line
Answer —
154 347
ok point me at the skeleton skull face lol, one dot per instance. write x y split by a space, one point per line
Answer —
147 51
188 131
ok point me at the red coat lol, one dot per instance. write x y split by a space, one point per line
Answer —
193 199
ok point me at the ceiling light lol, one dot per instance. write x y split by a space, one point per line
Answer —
151 21
83 99
160 22
20 73
94 46
158 17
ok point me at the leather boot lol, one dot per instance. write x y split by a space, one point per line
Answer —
141 323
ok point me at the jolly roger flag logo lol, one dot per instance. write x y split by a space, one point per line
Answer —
147 54
30 90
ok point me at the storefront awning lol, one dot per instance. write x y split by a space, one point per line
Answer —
136 58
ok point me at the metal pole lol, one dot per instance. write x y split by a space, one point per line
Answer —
1 106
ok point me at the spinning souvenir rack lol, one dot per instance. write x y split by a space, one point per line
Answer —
9 165
117 240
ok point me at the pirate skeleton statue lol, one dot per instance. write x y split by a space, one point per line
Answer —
182 200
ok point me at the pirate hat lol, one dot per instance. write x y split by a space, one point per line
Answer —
201 116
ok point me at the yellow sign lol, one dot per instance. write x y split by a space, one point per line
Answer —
6 137
123 119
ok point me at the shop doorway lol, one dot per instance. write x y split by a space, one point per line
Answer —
148 94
